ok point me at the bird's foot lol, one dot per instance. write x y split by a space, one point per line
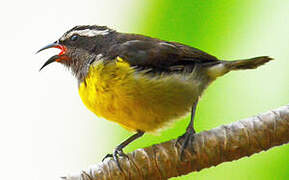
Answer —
184 140
118 152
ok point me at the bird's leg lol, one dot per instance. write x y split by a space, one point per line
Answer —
118 150
188 136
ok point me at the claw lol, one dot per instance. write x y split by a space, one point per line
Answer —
116 154
187 138
118 150
106 156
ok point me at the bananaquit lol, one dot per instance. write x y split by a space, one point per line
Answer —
139 82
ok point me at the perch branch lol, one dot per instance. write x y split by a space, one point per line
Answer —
209 148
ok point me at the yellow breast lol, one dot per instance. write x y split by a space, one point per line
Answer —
135 100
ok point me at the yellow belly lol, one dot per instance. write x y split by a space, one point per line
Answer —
135 100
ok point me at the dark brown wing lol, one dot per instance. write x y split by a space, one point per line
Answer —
160 55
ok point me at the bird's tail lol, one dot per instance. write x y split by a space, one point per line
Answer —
252 63
227 66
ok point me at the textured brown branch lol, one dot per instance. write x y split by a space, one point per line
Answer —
221 144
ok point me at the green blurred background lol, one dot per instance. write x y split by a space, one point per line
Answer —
229 30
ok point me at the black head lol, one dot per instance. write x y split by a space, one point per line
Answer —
79 45
88 38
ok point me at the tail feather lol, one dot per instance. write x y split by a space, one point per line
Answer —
252 63
227 66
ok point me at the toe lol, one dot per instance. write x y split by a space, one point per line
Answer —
107 156
187 139
116 154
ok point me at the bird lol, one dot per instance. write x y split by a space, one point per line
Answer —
140 82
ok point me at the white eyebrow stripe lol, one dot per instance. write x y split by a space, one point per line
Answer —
86 32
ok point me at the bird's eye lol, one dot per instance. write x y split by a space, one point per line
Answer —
74 37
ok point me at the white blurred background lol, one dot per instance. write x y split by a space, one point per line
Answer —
45 130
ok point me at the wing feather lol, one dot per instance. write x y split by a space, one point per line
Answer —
160 56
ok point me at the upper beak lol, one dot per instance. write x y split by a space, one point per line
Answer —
53 58
52 45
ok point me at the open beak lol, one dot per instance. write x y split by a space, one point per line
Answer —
55 58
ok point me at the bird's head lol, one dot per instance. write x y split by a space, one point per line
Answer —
79 45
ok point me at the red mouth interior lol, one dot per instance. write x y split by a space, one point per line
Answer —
62 52
62 48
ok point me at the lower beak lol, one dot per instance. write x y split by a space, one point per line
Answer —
55 57
49 61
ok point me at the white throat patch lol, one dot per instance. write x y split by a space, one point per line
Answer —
86 32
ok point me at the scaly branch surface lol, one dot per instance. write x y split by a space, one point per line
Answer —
209 148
